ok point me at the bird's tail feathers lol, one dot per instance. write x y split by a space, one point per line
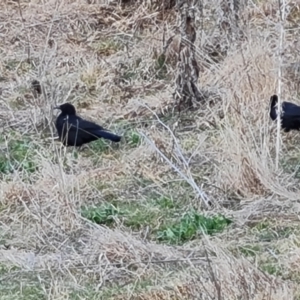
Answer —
108 135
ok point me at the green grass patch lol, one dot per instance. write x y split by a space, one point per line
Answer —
14 285
96 150
267 232
18 155
292 165
134 215
161 218
154 213
133 138
191 225
250 250
103 214
100 146
271 268
22 291
166 203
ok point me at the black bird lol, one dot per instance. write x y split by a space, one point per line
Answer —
75 131
290 114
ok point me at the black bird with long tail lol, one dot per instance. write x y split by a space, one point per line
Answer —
75 131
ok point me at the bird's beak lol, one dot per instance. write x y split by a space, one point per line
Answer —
56 107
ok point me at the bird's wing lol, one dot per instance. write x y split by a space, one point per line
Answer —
84 125
291 110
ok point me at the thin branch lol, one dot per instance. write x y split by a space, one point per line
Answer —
279 87
188 178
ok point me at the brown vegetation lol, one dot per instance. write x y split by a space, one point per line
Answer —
105 57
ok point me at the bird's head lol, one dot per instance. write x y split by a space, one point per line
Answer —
66 109
273 100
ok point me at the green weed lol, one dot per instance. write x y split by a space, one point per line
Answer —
18 156
190 225
160 216
103 214
100 145
271 268
133 138
133 215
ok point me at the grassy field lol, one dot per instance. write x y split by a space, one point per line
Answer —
128 220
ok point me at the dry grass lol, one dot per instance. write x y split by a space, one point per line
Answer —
105 59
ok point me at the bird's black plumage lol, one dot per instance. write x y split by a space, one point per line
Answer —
75 131
290 114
